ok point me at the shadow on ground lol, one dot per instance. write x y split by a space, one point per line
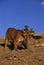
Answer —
11 46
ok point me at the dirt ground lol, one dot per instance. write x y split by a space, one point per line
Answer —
34 55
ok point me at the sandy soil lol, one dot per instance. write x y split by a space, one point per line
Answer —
34 55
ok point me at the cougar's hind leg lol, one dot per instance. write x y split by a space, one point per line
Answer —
6 42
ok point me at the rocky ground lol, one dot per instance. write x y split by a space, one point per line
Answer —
34 55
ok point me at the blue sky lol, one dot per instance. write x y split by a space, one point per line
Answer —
17 13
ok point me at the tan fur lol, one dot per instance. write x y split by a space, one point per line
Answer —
13 35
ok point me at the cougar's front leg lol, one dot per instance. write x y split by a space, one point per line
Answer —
15 44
